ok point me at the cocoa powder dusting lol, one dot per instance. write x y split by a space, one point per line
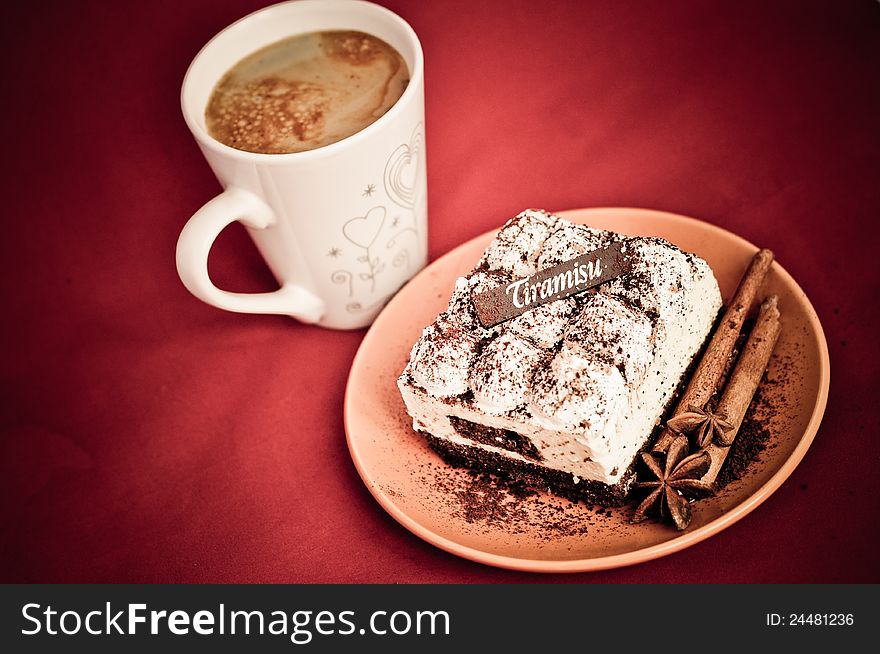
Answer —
481 499
750 442
755 435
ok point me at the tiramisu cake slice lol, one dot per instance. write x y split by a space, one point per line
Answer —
564 395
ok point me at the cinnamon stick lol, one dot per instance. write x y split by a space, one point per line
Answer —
705 379
744 380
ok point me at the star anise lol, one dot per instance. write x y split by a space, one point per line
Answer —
676 481
707 426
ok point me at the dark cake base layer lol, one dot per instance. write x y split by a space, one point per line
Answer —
525 476
503 438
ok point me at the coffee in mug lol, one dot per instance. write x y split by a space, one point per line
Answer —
305 92
335 198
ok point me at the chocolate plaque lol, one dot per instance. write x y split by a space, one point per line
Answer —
573 276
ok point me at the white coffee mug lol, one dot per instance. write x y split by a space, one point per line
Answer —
342 227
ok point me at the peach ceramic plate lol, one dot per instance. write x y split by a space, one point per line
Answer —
460 513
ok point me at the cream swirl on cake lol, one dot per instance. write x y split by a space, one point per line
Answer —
544 325
440 360
613 331
576 392
516 249
501 375
568 241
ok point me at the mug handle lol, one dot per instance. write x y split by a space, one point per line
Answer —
194 244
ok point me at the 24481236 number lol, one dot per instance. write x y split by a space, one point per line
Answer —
821 619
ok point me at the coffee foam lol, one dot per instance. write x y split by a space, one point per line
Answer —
305 92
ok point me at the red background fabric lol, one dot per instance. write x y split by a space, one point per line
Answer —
147 437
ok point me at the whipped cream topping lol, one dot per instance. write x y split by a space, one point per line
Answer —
568 241
617 326
501 376
519 242
659 276
607 329
440 360
577 392
544 325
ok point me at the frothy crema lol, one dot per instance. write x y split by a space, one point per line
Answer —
305 92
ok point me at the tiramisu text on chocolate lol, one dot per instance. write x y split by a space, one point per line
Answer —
586 271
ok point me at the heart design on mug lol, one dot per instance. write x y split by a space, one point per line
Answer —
364 230
402 169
